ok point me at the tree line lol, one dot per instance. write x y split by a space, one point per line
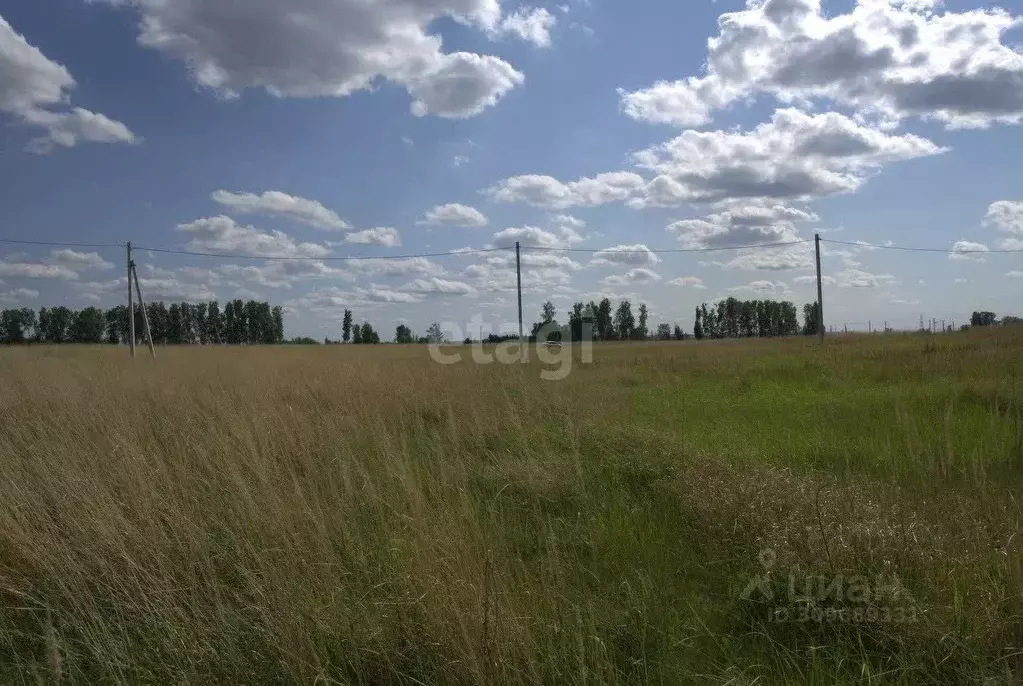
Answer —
239 322
991 319
729 318
601 320
734 318
257 323
358 334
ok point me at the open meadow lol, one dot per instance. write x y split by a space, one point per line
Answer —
718 512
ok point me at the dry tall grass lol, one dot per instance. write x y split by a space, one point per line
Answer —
353 515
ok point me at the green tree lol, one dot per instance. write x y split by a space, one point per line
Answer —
698 325
357 335
346 326
664 332
710 321
789 319
187 323
403 335
369 336
201 326
235 326
748 318
59 324
810 319
158 321
589 319
434 334
175 325
763 319
547 319
254 324
16 326
603 319
640 334
117 325
214 323
28 320
983 319
43 325
89 326
278 324
624 321
548 313
576 322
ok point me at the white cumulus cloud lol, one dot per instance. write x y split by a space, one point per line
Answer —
794 156
688 282
530 24
528 236
887 58
78 260
639 275
381 235
221 234
637 254
32 270
851 278
454 214
35 90
1007 217
968 250
17 296
435 286
314 48
280 204
547 192
749 224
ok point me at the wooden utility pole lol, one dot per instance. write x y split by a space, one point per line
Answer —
820 289
518 274
145 315
131 306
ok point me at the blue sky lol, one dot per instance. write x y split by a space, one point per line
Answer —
338 128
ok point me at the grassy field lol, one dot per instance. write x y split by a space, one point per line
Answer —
362 515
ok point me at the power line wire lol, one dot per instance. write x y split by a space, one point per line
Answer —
62 245
238 256
910 249
667 250
318 259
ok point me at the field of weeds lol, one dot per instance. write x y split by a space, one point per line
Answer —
745 512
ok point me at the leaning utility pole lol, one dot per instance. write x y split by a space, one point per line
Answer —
131 306
145 314
134 277
518 274
820 290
